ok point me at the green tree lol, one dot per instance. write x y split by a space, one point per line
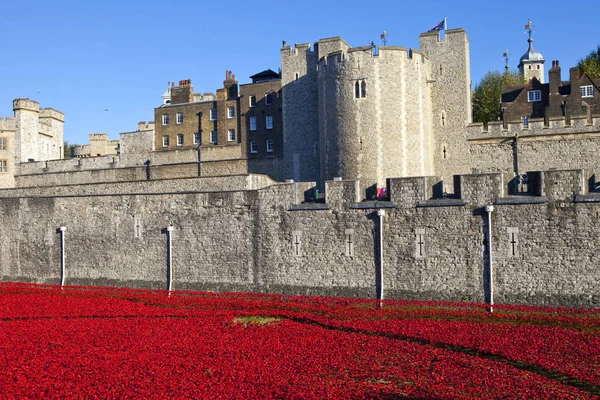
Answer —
487 94
68 148
591 63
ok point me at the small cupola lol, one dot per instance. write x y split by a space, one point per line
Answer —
531 64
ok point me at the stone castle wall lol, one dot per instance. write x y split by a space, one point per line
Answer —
299 108
450 86
265 240
517 149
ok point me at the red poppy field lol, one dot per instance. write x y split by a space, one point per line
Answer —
114 343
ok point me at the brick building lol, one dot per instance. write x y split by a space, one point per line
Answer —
239 121
579 96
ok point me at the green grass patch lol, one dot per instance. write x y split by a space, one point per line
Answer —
255 320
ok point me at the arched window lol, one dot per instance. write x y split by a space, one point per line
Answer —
357 90
363 89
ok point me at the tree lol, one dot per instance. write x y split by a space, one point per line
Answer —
68 148
591 64
487 94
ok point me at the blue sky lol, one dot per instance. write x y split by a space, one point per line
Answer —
83 58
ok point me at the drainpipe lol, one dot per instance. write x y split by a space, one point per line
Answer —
489 210
170 257
380 214
62 230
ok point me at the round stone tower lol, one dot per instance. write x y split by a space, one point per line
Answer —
374 115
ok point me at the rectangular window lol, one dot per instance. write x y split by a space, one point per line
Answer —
252 123
196 138
525 121
180 139
534 95
268 99
270 146
3 166
3 143
165 141
213 137
269 121
253 147
252 100
587 91
213 114
231 135
165 119
230 112
179 118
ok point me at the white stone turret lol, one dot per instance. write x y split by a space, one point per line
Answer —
531 64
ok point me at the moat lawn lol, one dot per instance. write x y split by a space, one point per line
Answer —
113 343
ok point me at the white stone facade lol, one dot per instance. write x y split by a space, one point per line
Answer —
369 114
34 134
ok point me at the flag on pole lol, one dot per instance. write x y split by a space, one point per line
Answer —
439 27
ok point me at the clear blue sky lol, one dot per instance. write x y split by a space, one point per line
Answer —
85 57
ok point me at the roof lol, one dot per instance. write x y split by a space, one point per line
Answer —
531 55
265 75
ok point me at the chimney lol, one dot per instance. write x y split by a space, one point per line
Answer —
554 97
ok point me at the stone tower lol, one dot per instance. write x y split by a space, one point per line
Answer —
531 64
449 82
374 115
38 132
370 114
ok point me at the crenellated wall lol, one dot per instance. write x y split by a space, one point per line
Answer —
514 149
268 240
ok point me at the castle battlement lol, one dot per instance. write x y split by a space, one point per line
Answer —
474 190
52 113
298 48
8 124
384 52
145 126
535 127
26 104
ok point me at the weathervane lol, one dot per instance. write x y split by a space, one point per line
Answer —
384 37
529 28
506 58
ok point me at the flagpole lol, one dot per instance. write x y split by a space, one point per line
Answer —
444 24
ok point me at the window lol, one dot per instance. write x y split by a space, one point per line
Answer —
269 121
270 145
213 137
3 166
196 138
230 112
534 95
252 100
213 114
587 91
179 118
360 89
3 144
525 121
165 119
268 99
231 135
165 141
180 139
253 123
253 147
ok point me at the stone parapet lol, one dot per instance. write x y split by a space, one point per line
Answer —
534 127
8 124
